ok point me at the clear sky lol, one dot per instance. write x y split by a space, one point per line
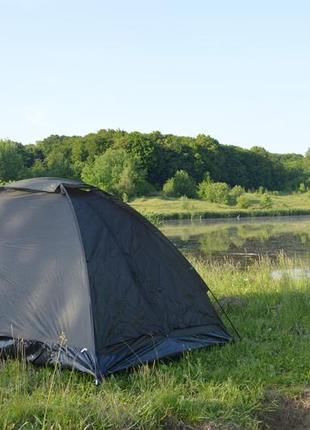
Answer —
237 70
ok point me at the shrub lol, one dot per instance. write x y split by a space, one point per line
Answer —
153 218
181 184
125 198
261 190
302 188
266 201
234 193
244 201
215 192
237 191
184 202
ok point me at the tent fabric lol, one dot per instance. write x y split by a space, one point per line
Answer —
49 185
86 279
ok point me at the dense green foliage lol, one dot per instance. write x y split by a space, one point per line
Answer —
244 201
181 184
116 172
11 161
214 192
156 158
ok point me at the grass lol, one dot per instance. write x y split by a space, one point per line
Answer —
180 208
223 385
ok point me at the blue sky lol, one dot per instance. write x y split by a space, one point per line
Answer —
237 70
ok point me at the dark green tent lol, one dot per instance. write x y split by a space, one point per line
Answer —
86 280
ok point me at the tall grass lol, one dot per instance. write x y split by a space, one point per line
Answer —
257 205
222 385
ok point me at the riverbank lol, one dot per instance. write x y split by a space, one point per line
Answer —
258 381
182 208
241 241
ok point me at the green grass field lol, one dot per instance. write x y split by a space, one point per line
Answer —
249 384
169 208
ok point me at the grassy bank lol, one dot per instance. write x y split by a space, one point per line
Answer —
244 385
169 208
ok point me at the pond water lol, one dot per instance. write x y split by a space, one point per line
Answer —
242 241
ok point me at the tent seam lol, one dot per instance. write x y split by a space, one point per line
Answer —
62 188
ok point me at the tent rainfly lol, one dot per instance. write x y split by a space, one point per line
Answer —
87 281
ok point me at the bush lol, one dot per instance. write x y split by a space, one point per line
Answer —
153 218
234 193
244 201
181 184
266 202
261 190
237 191
215 192
185 203
302 188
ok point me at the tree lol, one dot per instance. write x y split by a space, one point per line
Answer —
116 172
181 184
58 164
159 156
11 161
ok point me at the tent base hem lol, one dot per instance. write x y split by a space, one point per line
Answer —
151 348
43 354
143 350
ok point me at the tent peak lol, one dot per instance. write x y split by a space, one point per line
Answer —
46 184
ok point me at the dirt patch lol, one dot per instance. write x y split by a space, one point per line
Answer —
213 426
288 414
172 424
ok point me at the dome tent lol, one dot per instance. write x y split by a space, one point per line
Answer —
87 281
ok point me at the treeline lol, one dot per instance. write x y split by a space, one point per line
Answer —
139 163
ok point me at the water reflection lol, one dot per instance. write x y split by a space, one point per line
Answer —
291 273
242 240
